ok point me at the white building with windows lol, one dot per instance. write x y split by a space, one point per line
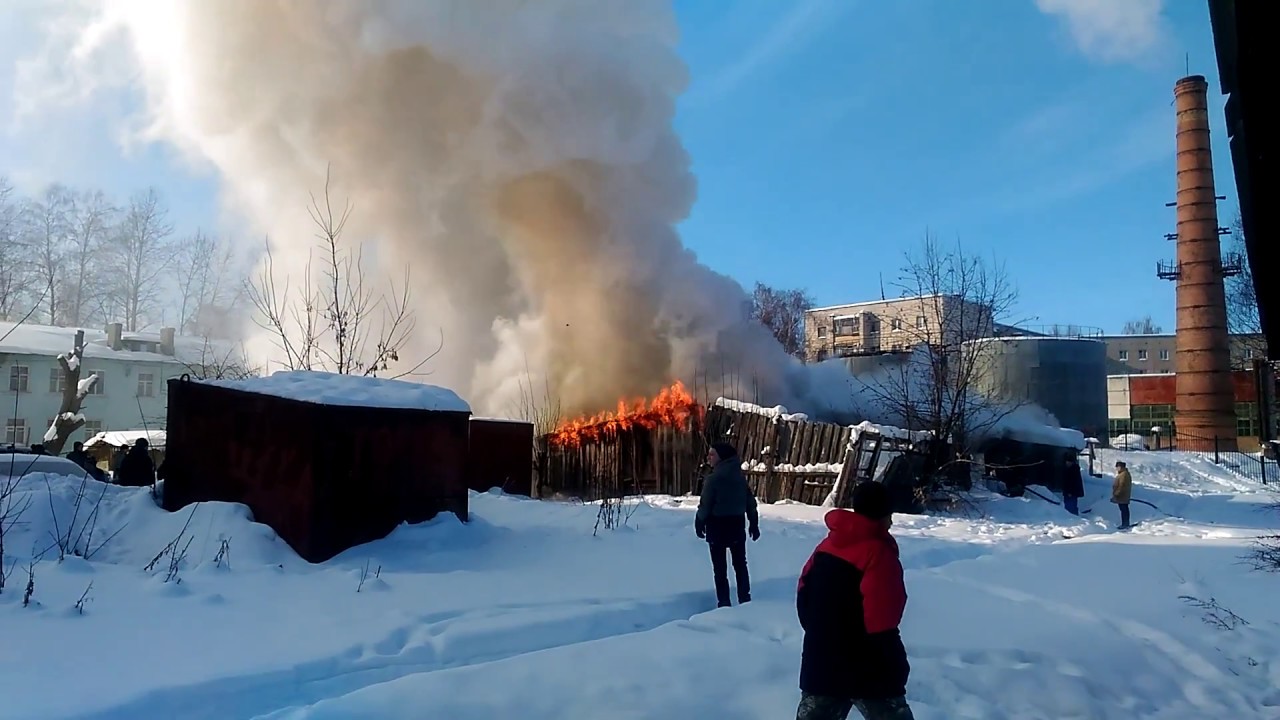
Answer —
132 368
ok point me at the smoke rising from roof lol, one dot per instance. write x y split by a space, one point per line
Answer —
519 157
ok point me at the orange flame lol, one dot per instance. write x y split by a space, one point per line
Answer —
672 407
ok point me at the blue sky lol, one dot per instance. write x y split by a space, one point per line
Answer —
828 135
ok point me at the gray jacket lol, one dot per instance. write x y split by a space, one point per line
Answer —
725 493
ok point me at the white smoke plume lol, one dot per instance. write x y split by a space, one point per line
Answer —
518 156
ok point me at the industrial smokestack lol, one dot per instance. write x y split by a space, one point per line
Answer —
1205 394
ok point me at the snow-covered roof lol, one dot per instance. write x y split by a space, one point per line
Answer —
48 341
126 438
349 390
776 412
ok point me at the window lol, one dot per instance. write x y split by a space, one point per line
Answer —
922 322
92 428
99 387
19 378
1248 353
146 384
1118 427
1246 419
1124 355
1142 354
846 326
57 380
896 323
1146 417
1164 354
16 431
822 331
873 327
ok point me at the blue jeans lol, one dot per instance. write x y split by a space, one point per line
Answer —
1071 503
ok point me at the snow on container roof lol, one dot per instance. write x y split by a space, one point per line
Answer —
350 391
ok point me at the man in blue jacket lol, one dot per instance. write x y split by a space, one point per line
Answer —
726 515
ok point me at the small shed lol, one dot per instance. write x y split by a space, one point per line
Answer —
328 461
501 456
106 447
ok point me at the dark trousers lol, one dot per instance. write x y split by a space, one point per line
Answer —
1124 514
728 536
816 707
1071 503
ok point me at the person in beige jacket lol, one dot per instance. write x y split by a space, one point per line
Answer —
1122 491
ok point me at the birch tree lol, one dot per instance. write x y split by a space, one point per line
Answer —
141 253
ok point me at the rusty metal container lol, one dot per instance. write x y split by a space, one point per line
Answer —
501 456
324 477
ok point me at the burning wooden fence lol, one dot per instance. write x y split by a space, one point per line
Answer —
661 449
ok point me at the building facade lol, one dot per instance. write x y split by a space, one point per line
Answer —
898 325
1138 403
132 370
1154 354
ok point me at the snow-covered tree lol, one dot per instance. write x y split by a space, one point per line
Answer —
74 392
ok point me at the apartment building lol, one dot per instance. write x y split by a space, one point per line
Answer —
132 368
1148 354
880 326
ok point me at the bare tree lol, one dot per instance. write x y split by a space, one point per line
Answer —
1242 300
13 265
782 311
221 362
332 320
211 282
90 222
47 226
74 391
141 254
943 384
1141 326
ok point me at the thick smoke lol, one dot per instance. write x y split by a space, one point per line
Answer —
518 156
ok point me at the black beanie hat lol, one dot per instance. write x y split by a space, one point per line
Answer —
871 499
724 450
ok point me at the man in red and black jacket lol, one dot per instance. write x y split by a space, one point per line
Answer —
850 600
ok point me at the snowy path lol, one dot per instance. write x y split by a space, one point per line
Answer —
1026 613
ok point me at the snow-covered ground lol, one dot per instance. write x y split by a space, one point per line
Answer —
1025 613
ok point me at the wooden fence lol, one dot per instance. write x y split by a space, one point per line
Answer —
785 458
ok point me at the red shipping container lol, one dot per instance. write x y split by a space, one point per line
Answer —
325 477
501 456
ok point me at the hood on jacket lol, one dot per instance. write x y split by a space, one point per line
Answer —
847 527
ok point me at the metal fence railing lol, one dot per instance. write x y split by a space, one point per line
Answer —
1223 452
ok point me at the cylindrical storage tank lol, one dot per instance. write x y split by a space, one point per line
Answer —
1066 376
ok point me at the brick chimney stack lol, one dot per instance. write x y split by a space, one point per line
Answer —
1205 392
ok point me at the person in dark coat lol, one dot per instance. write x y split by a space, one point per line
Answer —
1072 484
137 469
850 600
81 458
727 514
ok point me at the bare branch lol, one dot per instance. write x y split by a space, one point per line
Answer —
333 321
958 300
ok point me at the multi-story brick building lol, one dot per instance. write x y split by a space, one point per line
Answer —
878 326
1137 403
